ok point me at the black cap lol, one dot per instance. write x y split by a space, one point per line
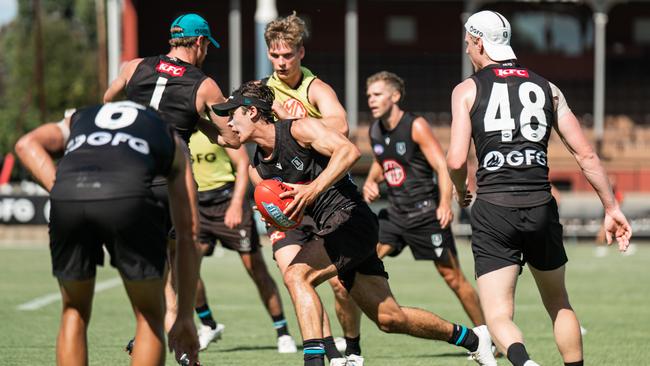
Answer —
237 100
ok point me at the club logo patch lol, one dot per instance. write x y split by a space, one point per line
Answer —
400 147
436 239
298 163
244 241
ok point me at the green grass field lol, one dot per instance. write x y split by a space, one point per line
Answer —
611 296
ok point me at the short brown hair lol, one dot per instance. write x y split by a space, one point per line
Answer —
389 78
260 91
290 29
182 41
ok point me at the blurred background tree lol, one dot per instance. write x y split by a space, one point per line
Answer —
69 54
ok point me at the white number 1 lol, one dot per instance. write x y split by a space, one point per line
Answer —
161 83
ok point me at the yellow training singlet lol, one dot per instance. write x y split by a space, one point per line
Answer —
210 163
295 101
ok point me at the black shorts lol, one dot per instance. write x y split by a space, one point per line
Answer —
242 239
427 240
503 236
160 193
351 243
131 229
301 235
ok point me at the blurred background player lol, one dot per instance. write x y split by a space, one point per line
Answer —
408 157
299 93
225 215
509 111
101 198
174 85
345 223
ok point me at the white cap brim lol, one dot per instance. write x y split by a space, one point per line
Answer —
499 52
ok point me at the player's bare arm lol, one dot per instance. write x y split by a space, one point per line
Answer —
216 128
119 84
371 186
313 134
324 98
568 128
182 336
238 158
37 149
430 147
254 175
462 99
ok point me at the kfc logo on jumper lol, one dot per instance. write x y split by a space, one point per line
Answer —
295 108
504 73
170 69
394 173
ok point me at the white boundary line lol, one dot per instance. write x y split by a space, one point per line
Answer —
42 301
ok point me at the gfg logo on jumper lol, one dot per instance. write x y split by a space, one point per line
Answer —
494 160
278 216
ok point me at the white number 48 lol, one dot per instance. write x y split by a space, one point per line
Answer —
500 102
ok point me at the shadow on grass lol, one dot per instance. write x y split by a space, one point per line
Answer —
249 348
435 355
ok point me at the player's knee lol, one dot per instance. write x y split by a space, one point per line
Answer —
77 314
557 303
455 282
391 321
296 275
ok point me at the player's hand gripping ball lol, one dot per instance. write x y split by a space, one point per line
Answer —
271 206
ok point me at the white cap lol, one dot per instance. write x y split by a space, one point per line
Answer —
494 29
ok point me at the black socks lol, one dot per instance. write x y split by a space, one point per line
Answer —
464 337
280 325
352 346
205 314
330 348
313 352
517 354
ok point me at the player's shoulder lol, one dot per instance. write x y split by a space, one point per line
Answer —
419 123
465 86
210 90
305 128
129 67
318 85
465 91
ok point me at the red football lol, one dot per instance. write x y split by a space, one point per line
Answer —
271 206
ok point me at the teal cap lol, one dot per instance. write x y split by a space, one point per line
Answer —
193 25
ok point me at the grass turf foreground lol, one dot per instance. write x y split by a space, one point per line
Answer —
610 295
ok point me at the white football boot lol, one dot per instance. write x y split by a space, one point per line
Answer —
483 354
208 335
286 344
355 360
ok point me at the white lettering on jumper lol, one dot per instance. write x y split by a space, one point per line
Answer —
101 138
